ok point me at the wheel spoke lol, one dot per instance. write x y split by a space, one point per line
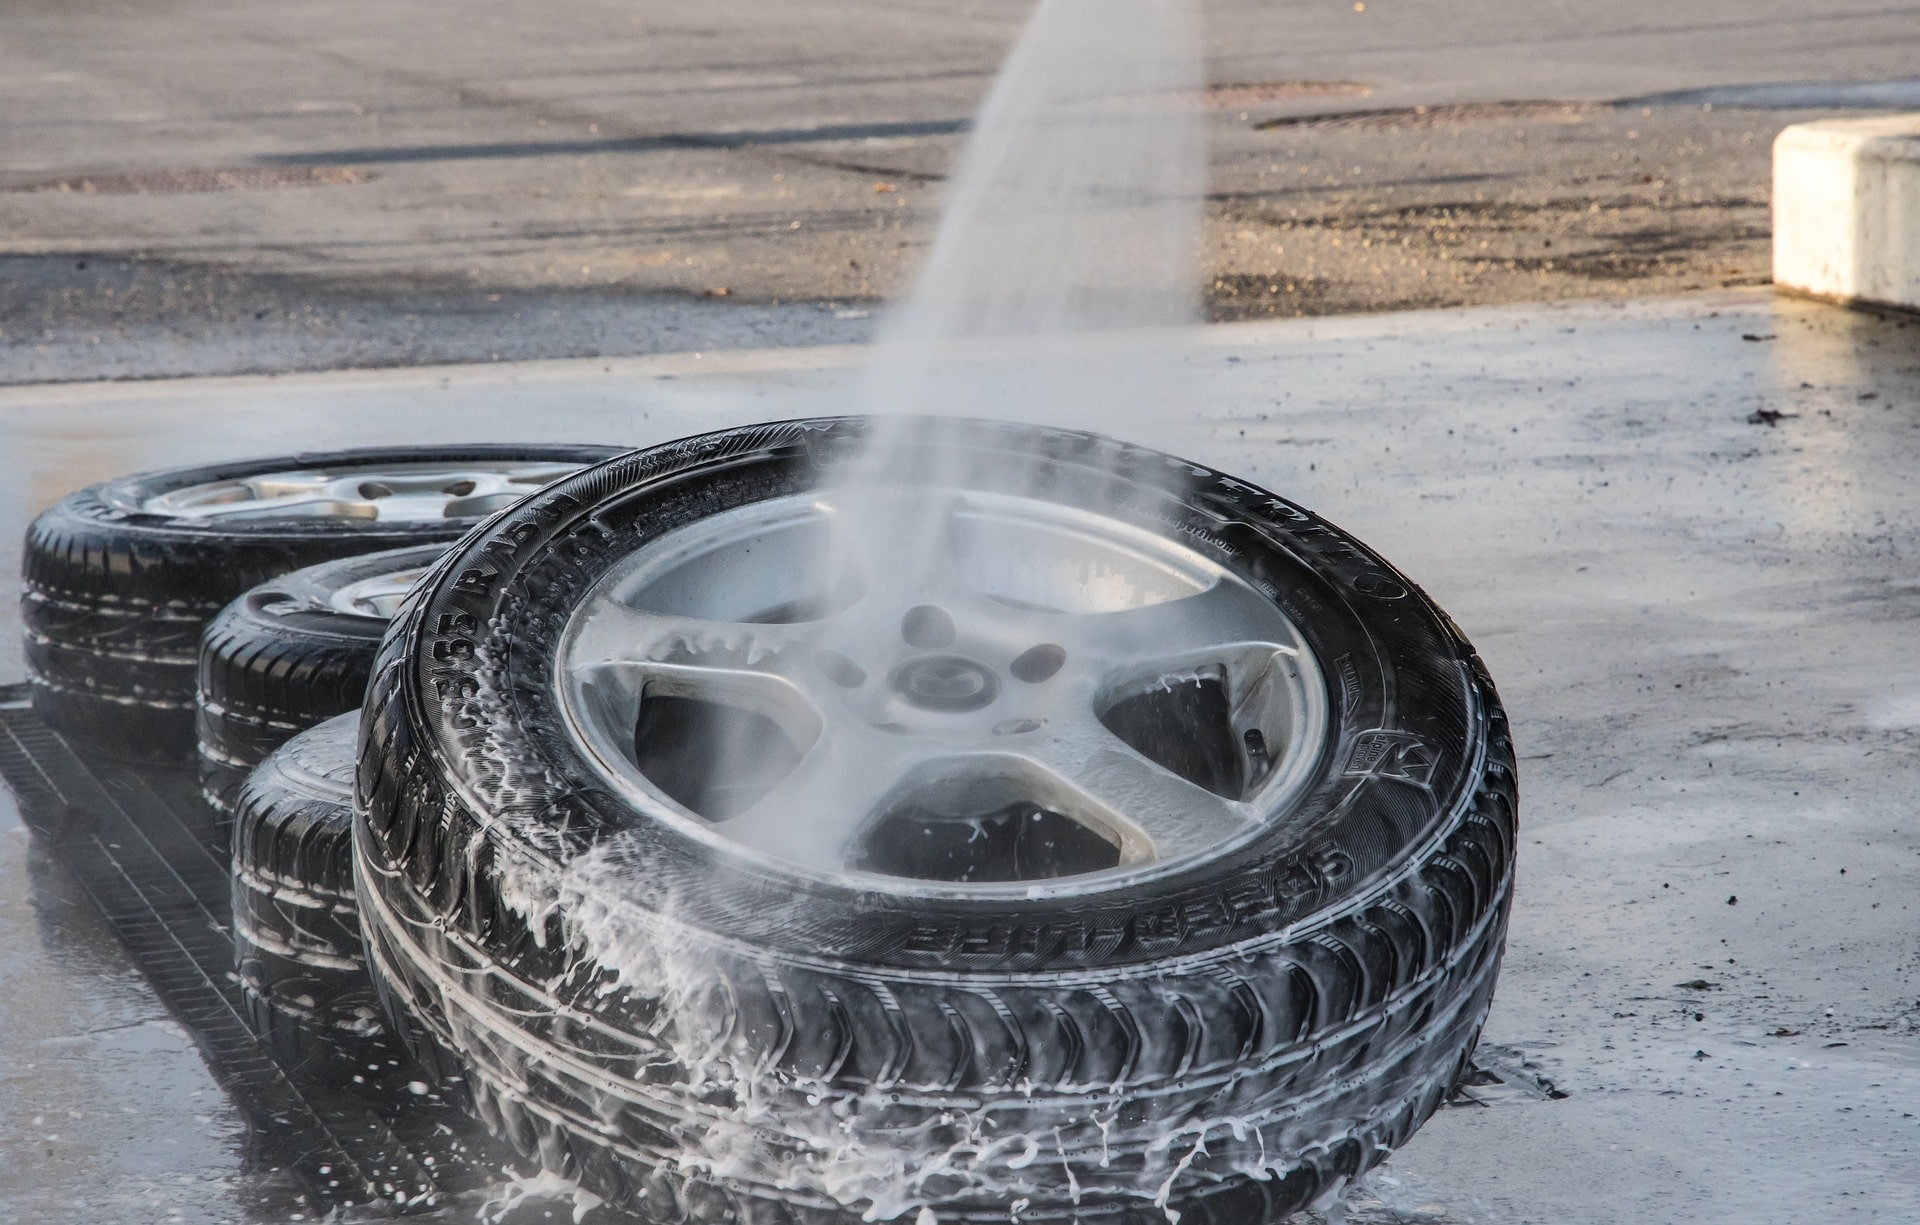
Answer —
411 507
1096 779
415 497
1224 615
525 478
905 546
818 814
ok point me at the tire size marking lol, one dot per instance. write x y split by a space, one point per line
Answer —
1392 754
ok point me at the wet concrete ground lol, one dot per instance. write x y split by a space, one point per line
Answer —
1683 533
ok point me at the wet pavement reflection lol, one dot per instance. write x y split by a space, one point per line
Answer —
107 1110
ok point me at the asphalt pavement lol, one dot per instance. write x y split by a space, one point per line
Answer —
204 188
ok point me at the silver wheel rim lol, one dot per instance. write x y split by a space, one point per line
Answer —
388 493
1047 619
378 597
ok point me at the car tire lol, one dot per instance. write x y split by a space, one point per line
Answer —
700 1034
122 577
296 931
289 654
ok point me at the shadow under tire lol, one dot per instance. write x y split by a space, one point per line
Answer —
117 592
289 654
719 1038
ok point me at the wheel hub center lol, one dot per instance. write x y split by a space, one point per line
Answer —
944 683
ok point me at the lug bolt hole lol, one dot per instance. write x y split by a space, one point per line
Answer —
1016 727
841 670
1258 756
459 489
1037 664
375 489
927 626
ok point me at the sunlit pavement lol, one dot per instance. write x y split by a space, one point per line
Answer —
1682 532
201 187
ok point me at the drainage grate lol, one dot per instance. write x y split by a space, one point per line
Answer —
1446 115
143 847
170 182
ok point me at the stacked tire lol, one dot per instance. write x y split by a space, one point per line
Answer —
289 654
122 577
282 673
135 650
296 927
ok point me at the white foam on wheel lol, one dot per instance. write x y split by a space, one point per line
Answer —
1846 210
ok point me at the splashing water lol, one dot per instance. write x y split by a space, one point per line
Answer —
1073 217
519 1189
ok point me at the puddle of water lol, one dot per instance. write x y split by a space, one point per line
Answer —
1901 93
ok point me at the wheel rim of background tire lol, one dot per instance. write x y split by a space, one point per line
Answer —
391 493
379 597
1016 736
290 653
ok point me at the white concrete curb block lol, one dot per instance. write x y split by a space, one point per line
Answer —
1846 210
